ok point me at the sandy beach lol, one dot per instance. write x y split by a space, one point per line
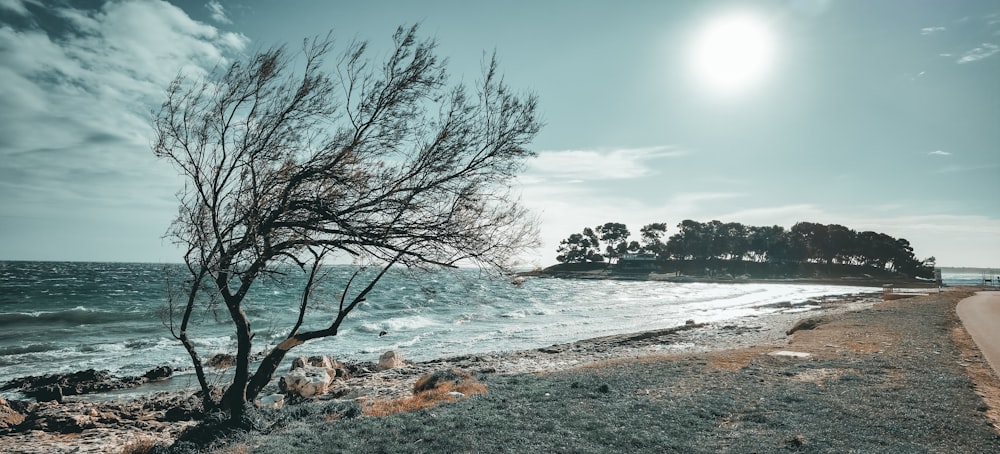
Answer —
862 345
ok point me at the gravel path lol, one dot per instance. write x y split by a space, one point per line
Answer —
980 315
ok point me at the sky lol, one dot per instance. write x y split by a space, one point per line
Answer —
876 115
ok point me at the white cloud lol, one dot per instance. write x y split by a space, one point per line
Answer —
586 165
940 153
931 30
75 101
985 50
218 12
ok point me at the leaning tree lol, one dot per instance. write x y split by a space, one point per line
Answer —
383 162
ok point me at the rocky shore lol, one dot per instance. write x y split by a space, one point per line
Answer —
81 426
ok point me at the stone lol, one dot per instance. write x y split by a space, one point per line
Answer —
9 416
159 373
271 401
306 381
390 360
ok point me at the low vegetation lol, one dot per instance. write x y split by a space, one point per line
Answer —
716 246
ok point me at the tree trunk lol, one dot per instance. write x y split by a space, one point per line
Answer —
268 365
236 395
199 370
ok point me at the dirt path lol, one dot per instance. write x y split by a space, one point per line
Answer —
980 314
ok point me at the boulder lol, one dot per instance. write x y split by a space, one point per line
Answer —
390 360
9 416
307 381
336 369
159 373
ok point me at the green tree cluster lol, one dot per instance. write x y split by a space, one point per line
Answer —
805 242
586 246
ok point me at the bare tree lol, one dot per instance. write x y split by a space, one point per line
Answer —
386 163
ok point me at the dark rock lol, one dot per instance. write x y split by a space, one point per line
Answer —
55 386
159 373
221 360
604 389
804 324
46 393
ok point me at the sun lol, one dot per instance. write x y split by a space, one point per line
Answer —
732 53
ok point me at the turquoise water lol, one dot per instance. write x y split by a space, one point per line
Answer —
62 317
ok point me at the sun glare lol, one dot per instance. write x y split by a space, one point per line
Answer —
732 53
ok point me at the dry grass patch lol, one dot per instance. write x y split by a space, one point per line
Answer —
429 391
141 445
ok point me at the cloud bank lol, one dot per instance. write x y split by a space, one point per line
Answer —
76 90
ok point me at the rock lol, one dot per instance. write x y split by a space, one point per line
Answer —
54 386
221 360
435 379
336 368
271 401
47 393
689 322
9 416
804 324
159 373
390 360
307 381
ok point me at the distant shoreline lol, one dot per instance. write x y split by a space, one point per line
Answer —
680 278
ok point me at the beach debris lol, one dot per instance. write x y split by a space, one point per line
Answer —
790 354
804 324
390 360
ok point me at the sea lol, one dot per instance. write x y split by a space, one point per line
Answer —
58 317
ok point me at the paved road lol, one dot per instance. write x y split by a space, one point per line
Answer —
981 316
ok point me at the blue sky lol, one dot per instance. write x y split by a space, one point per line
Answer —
877 115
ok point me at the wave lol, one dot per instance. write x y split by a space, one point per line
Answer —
74 317
30 348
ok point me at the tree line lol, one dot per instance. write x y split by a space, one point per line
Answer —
805 242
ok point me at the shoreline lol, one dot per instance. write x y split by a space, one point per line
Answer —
750 335
743 332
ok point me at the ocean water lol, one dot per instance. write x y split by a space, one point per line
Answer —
64 317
